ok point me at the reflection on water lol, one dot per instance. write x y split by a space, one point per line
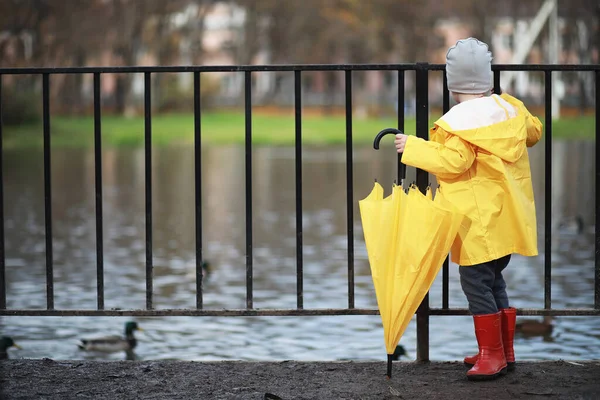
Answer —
274 244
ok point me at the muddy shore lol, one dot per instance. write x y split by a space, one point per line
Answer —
48 379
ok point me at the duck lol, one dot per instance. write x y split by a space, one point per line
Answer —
206 270
114 343
571 226
400 351
575 226
6 342
530 327
573 237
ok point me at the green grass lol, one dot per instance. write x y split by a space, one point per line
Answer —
229 127
583 127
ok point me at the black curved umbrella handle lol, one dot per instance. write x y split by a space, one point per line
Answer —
401 166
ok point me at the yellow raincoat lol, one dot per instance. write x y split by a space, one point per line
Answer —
477 151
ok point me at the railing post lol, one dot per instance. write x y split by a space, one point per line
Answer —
2 255
548 192
198 188
497 87
446 265
422 114
597 232
248 147
148 191
98 189
48 192
400 96
298 159
349 189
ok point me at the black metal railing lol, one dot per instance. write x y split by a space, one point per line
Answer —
422 112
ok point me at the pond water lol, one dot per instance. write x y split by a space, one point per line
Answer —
325 255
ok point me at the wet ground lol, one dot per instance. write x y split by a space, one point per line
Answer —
48 379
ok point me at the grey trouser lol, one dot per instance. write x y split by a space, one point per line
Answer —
484 286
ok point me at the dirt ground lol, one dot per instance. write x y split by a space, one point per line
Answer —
48 379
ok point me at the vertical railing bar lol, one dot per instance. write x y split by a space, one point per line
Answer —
497 87
47 192
98 193
148 191
248 147
446 265
2 254
548 191
446 95
422 116
400 96
349 189
299 224
597 233
198 187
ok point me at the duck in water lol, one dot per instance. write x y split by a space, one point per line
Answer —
399 352
530 327
6 342
113 343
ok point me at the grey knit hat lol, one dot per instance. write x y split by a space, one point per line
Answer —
469 67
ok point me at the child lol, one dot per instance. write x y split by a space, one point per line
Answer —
478 153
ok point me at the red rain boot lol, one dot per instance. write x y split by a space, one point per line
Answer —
509 318
471 360
491 362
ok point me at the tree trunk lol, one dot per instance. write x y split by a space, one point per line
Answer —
121 89
78 107
330 89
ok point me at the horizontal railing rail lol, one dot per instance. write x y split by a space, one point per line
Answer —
285 67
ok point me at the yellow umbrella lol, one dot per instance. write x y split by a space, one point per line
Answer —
408 235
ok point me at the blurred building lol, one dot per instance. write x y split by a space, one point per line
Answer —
372 89
203 33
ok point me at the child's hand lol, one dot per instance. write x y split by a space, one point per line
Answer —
400 142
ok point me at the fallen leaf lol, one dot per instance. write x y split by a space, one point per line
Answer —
395 392
545 393
574 363
271 396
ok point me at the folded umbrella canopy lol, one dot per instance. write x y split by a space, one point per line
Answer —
408 235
